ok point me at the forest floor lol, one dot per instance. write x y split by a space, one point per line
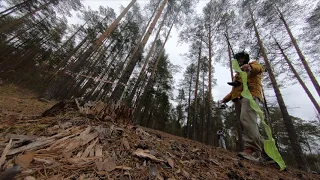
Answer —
72 144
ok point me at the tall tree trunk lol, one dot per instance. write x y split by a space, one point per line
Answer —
194 122
239 143
189 109
14 8
113 26
51 88
301 56
268 117
19 34
296 74
229 54
142 71
105 35
209 123
21 20
294 139
230 62
118 91
204 130
150 83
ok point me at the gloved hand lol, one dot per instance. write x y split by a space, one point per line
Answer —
222 104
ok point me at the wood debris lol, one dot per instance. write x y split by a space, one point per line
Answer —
98 142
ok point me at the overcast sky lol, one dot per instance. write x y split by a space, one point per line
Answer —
295 98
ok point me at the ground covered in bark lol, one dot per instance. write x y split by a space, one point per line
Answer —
78 140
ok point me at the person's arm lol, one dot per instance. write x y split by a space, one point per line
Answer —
256 68
227 98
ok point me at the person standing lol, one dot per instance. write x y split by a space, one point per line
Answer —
221 141
253 141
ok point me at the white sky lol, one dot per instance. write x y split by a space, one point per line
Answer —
297 102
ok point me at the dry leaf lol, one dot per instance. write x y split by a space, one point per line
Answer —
109 166
170 162
145 154
178 171
24 160
56 177
99 165
159 177
126 143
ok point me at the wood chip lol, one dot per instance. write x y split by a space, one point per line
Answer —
81 140
89 148
123 167
215 162
126 143
29 178
56 177
39 144
21 137
185 173
24 160
98 150
5 152
31 146
145 154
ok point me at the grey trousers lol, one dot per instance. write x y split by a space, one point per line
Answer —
248 118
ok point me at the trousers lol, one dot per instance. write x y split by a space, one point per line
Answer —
248 118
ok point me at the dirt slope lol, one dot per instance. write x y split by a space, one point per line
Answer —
75 145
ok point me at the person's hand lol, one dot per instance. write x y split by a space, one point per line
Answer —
246 68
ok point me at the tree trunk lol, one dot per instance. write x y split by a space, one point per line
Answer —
142 72
21 20
204 130
296 74
209 123
297 151
189 109
196 93
13 8
150 83
229 54
113 26
106 34
19 34
50 91
301 56
118 91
